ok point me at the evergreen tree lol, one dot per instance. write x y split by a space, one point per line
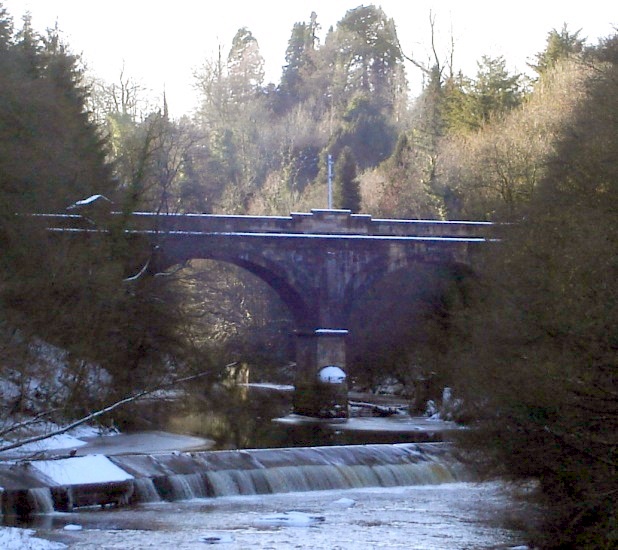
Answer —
28 47
369 53
559 46
245 67
366 131
495 90
346 191
299 62
6 28
44 97
470 103
69 292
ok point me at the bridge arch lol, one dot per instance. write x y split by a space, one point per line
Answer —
381 267
268 271
399 324
318 263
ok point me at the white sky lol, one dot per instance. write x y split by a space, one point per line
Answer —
161 43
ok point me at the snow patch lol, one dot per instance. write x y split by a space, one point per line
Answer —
61 441
343 503
89 200
81 469
332 375
12 538
290 519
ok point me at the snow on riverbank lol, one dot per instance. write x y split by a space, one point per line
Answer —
90 468
72 440
12 538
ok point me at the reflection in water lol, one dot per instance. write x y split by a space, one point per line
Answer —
241 417
444 516
234 417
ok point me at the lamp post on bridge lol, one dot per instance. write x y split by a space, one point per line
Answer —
330 182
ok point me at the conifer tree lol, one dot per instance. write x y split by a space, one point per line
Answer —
346 187
245 66
6 28
299 62
559 46
68 292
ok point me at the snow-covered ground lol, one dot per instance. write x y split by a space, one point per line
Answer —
12 538
88 441
453 516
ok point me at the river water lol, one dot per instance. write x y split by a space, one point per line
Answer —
452 516
440 515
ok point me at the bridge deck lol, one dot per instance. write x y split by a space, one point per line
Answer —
319 223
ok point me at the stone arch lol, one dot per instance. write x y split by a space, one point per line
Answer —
266 270
373 270
290 296
379 267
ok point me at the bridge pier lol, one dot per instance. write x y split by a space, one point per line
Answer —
316 349
319 263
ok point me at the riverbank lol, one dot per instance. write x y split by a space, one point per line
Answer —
182 512
87 441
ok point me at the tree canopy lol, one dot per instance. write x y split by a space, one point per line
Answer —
526 336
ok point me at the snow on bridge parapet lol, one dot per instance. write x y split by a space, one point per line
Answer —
96 212
316 222
333 222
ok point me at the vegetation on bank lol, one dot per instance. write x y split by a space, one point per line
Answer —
528 339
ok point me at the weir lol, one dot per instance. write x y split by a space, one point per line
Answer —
37 488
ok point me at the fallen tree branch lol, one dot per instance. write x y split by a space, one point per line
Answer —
38 418
377 409
103 411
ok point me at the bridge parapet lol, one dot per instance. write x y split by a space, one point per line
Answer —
331 222
316 222
319 262
98 214
432 228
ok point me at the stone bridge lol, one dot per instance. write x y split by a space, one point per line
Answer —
319 263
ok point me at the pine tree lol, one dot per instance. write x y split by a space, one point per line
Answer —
299 63
369 52
6 28
346 187
559 46
245 66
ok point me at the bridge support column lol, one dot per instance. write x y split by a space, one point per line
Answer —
313 396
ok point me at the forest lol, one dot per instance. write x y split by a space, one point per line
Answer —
528 342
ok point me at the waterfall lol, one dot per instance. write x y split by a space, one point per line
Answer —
222 483
41 499
211 474
26 502
268 471
145 491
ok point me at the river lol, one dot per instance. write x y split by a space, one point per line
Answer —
452 516
440 510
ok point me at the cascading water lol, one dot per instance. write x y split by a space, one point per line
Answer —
211 474
42 499
145 490
268 471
